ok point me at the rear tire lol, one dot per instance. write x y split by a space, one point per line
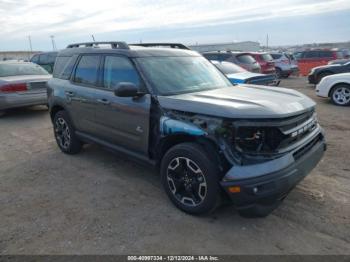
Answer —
190 177
340 95
65 135
279 73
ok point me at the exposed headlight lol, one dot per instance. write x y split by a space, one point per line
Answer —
258 139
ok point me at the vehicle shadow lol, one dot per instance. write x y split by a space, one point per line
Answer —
123 166
23 112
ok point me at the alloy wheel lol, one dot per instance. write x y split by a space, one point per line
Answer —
62 133
341 95
186 181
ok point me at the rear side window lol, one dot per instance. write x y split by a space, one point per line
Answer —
119 69
35 59
266 57
276 56
87 70
311 54
63 67
326 54
340 54
246 59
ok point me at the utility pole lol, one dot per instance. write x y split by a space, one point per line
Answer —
30 43
30 47
53 42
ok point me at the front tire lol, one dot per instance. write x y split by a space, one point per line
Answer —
65 135
190 177
340 95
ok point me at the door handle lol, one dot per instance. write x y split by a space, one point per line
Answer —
69 93
103 101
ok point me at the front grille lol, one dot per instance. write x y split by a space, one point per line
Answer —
275 136
300 152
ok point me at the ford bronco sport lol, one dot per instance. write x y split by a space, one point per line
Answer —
173 109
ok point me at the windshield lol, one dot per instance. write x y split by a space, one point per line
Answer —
179 75
16 69
229 68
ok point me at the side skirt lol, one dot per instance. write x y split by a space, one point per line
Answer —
117 149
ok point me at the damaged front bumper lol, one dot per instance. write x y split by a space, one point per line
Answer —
268 182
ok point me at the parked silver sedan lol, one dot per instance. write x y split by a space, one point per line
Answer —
22 84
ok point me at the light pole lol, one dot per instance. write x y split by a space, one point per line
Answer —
30 46
53 42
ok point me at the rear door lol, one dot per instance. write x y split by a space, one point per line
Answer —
123 121
80 93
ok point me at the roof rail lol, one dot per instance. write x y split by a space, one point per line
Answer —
171 45
114 45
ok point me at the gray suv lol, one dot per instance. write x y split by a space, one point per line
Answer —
172 109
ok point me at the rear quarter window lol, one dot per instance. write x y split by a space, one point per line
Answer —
63 67
246 59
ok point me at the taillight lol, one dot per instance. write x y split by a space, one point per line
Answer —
11 88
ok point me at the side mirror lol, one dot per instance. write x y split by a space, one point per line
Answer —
126 89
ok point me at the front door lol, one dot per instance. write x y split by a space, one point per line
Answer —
123 121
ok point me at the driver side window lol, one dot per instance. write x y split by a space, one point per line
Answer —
119 69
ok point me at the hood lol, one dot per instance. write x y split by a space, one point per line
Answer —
326 66
243 101
25 78
243 75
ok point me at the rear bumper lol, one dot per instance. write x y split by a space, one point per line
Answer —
8 101
290 70
271 181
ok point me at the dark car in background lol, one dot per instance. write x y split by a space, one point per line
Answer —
312 58
244 60
317 73
238 75
46 60
22 84
265 61
339 62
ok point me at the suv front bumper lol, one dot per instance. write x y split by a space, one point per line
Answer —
269 182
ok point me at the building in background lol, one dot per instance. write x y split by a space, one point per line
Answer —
248 46
16 55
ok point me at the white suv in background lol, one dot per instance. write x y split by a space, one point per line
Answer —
285 64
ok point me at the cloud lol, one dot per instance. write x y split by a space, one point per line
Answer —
20 18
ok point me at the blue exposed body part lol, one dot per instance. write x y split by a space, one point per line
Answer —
170 126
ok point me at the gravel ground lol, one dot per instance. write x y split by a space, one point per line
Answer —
98 203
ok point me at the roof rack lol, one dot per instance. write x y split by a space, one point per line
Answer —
114 45
171 45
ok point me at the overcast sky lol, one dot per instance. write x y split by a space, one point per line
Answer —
202 21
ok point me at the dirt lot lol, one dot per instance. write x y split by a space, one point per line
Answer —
99 203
